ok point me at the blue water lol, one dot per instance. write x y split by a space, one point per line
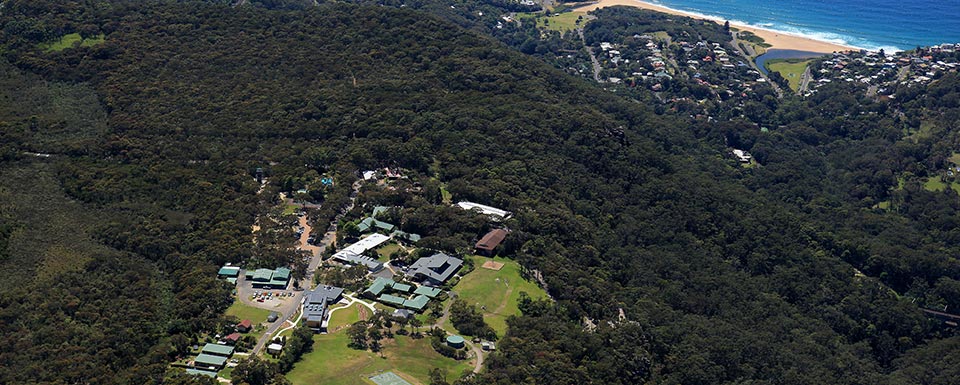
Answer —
783 54
871 24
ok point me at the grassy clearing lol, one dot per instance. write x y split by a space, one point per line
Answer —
69 40
954 158
790 69
496 291
251 313
446 195
332 362
344 317
935 184
290 209
566 21
385 251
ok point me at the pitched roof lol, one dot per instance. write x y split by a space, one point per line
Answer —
263 275
219 350
488 210
379 285
492 239
427 291
401 287
418 302
198 372
245 323
230 271
391 299
232 337
405 235
209 360
437 268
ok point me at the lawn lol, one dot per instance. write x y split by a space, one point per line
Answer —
332 362
935 184
344 316
385 251
497 291
790 69
446 195
67 41
290 209
566 21
251 313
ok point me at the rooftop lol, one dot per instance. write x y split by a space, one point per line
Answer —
488 210
209 360
437 268
492 239
220 350
427 291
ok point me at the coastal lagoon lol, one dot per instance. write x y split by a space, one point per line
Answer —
783 54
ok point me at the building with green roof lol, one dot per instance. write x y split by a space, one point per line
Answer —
428 291
228 271
270 279
391 300
416 303
262 275
209 361
402 287
198 372
379 285
218 350
368 224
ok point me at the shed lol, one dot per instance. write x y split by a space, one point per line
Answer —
274 348
273 316
209 361
217 350
229 271
198 372
455 341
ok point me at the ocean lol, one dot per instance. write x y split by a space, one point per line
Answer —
892 25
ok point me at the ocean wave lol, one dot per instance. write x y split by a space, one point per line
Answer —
828 37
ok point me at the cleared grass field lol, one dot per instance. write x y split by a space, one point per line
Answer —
345 316
385 251
332 362
251 313
790 69
67 41
566 21
496 292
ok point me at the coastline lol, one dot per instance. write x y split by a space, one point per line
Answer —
777 39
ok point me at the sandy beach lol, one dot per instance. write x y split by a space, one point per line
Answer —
776 39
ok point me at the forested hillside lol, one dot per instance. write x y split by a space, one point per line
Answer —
722 274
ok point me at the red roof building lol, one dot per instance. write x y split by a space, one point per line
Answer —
489 242
232 338
244 326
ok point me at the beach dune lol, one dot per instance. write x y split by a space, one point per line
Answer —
778 40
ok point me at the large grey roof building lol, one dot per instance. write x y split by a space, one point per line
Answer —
435 269
316 303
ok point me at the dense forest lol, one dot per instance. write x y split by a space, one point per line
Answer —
127 179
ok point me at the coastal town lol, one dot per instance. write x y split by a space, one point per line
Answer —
364 281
